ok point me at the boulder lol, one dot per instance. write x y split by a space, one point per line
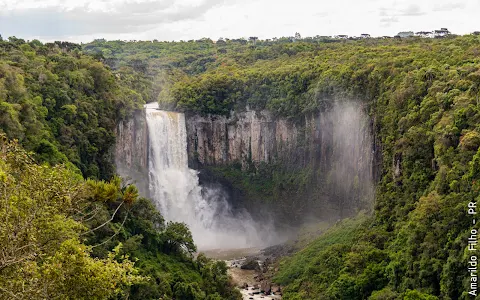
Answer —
258 277
266 288
250 265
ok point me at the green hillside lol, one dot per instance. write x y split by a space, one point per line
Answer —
70 229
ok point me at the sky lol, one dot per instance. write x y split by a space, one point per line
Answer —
168 20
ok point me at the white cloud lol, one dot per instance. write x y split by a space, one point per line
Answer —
412 10
83 20
389 20
120 18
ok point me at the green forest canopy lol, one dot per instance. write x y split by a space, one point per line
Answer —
422 94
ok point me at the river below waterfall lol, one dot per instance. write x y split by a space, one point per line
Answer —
247 281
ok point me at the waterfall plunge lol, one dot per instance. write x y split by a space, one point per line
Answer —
177 194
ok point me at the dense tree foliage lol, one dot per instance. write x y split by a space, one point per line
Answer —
162 251
61 104
159 65
43 256
66 237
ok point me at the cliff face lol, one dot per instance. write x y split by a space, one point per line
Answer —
243 137
323 163
317 140
131 151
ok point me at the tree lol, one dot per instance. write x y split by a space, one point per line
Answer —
42 256
178 238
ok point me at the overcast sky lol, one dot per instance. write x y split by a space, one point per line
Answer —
85 20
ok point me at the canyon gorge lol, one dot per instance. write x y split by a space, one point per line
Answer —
332 152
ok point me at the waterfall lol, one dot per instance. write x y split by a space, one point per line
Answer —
176 192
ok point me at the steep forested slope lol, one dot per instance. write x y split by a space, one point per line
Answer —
64 236
423 99
40 235
62 104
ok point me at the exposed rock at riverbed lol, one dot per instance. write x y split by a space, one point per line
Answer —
252 274
250 264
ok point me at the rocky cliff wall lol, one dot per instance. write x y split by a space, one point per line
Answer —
317 139
324 163
243 137
131 151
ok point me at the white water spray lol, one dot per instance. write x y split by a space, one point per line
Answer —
177 194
